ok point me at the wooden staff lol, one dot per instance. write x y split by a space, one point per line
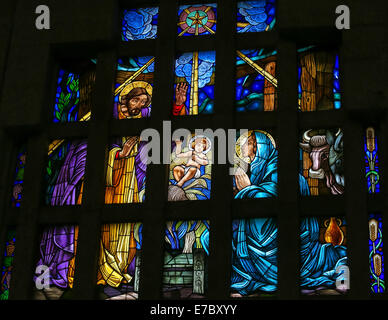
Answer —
269 77
133 77
55 144
194 85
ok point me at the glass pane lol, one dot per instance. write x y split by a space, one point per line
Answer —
185 259
256 160
119 261
126 171
194 83
54 273
133 88
255 16
256 81
199 19
319 84
139 24
7 268
376 254
321 160
254 258
190 168
372 166
75 85
324 267
65 172
17 190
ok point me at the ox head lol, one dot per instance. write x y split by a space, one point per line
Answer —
326 152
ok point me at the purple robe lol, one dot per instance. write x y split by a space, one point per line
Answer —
141 165
56 251
70 176
57 245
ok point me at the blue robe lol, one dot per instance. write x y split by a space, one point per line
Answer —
254 241
264 174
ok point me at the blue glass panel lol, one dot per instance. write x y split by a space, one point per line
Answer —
255 16
140 24
324 269
376 254
372 167
254 257
256 82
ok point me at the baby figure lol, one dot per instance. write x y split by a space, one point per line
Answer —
199 146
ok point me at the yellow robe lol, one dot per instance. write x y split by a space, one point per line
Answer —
117 251
118 245
121 183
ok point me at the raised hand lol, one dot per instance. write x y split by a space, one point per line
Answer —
180 93
128 146
16 190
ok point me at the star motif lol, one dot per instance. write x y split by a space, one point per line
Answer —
197 19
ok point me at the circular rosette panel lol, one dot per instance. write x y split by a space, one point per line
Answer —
197 20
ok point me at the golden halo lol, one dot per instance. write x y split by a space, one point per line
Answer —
240 142
243 138
136 84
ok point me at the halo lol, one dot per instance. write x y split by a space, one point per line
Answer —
244 137
136 84
240 142
209 143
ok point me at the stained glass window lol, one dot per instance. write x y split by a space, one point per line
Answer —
256 81
65 172
119 261
75 85
190 169
7 268
256 160
133 89
17 190
254 257
255 16
199 19
371 161
321 162
126 171
376 255
139 24
185 259
54 274
319 84
324 267
194 83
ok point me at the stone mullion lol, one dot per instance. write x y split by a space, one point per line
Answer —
287 137
93 197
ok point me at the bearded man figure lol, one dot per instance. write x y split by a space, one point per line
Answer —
134 101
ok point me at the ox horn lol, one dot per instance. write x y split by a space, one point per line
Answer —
338 141
338 132
306 137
